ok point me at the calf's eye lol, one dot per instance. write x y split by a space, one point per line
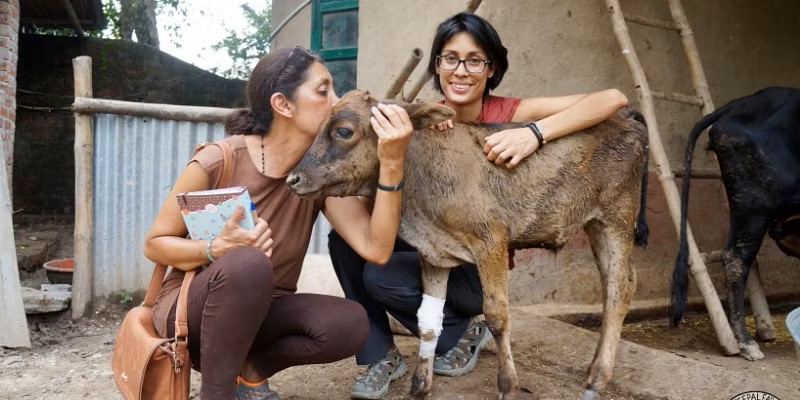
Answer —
344 133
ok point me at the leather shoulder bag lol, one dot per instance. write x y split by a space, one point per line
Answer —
145 365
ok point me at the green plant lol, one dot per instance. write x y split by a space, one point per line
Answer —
125 296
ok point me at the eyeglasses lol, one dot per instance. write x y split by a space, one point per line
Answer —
473 65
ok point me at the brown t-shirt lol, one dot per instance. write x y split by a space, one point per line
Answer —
290 218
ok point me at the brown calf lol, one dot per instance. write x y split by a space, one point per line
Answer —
458 207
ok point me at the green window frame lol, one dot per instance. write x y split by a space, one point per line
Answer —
334 36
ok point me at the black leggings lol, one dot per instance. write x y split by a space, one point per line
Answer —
233 317
396 287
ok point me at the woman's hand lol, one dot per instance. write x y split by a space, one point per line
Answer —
510 146
443 126
233 236
393 127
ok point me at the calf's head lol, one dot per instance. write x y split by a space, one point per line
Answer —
343 159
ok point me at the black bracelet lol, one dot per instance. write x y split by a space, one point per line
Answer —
391 188
534 127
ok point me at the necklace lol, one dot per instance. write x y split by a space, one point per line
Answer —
263 167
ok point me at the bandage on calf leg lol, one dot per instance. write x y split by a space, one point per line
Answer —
429 319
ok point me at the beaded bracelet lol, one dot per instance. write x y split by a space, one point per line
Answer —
208 251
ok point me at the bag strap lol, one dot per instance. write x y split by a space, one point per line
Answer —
160 270
224 179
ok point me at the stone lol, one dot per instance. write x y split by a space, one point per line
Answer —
53 299
31 253
11 360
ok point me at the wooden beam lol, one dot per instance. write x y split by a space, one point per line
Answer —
73 17
84 194
87 105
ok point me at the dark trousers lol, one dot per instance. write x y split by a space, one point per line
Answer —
396 287
233 317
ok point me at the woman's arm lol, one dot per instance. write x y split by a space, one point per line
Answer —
373 236
557 117
166 241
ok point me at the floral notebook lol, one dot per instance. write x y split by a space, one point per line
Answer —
206 212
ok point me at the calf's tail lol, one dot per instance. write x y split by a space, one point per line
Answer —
680 272
641 231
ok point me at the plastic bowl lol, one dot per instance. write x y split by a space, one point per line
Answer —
793 323
60 270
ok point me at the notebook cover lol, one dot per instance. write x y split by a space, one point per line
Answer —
205 212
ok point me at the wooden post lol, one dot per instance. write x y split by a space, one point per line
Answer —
84 194
667 180
13 324
405 72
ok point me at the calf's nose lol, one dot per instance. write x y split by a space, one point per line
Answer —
292 179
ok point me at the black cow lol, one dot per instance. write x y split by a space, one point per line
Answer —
757 143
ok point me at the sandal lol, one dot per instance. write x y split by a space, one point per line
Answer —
374 383
254 391
462 358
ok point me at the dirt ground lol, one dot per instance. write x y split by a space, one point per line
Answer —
71 360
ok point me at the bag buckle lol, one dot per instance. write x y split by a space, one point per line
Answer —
176 362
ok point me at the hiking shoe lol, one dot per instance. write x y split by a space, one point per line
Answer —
249 391
374 383
464 356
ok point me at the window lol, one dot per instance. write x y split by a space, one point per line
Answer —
334 36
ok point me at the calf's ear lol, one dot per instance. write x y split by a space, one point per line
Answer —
426 115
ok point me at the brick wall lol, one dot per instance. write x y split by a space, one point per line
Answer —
9 28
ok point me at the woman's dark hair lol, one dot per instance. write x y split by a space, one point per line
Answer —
280 71
485 36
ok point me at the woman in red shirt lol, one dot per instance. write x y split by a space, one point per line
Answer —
468 60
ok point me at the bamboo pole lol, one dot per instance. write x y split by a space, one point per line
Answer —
659 156
655 23
472 6
414 92
88 105
84 195
405 72
765 331
692 56
678 98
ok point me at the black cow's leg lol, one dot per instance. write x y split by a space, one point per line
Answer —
744 240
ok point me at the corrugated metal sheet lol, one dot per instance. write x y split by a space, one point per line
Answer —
136 162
